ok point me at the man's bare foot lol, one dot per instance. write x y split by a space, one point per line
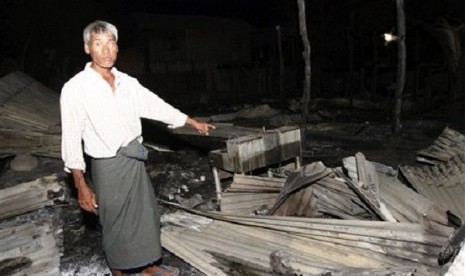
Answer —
162 270
115 272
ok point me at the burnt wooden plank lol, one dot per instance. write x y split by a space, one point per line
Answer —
248 193
260 149
409 203
33 244
443 183
251 152
25 141
295 183
362 171
447 145
29 196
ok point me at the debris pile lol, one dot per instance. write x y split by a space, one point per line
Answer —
246 244
441 177
318 191
28 196
30 247
29 117
359 218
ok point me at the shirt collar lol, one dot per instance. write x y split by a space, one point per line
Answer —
88 68
115 71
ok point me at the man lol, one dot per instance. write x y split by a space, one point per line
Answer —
102 107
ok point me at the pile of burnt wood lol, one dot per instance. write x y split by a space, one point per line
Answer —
363 218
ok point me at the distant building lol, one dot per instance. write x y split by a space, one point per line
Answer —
181 55
192 43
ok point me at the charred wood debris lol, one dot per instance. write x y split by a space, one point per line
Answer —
360 218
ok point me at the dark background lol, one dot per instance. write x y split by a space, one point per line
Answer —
44 39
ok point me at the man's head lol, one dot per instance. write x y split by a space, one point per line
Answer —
100 42
99 27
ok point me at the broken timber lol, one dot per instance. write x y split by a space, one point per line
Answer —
29 117
30 196
28 250
406 205
16 141
302 203
442 180
449 144
364 180
333 195
248 153
249 193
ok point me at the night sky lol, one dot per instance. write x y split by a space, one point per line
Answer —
32 31
59 24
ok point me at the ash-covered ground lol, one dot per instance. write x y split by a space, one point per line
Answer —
184 176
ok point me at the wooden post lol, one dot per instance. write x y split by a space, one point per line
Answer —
401 64
307 79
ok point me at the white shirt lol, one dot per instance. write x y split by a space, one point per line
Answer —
104 119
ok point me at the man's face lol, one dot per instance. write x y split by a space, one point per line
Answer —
103 49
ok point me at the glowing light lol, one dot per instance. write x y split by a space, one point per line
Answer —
388 37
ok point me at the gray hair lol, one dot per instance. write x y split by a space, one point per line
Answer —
99 27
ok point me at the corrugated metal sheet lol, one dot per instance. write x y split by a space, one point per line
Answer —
328 196
248 244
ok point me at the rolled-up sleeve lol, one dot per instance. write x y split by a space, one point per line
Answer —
154 108
72 124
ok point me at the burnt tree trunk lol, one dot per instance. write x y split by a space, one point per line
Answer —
307 79
401 70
